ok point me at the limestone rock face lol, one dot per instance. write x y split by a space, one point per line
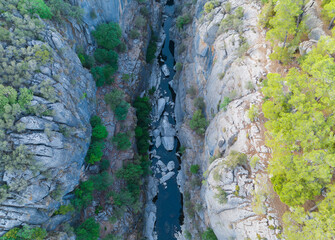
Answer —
58 142
215 68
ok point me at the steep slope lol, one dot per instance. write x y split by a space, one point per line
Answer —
55 127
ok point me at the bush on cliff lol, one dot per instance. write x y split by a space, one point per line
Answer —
25 233
108 35
88 230
35 7
198 123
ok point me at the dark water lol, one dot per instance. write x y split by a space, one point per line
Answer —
169 200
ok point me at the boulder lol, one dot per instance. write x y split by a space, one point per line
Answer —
170 166
160 106
165 70
166 177
168 143
158 142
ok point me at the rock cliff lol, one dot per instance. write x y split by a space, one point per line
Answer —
225 64
58 141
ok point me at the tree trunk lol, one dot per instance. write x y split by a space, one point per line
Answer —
331 23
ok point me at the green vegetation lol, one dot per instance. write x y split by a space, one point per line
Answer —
235 158
134 34
209 6
152 48
183 20
300 124
35 7
312 224
195 169
287 28
224 105
115 99
122 141
179 66
232 21
143 109
99 133
198 123
108 35
88 230
221 195
253 113
64 209
83 194
254 161
199 103
25 233
208 235
62 9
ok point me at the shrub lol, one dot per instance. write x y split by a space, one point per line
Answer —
35 6
83 194
99 76
134 34
108 35
144 11
179 66
25 233
209 6
140 21
192 91
95 120
235 158
183 20
105 56
104 165
102 181
62 9
253 113
88 230
108 73
99 132
224 105
121 111
221 195
86 60
198 122
143 109
95 152
195 169
64 209
151 50
208 235
199 103
114 98
122 141
254 161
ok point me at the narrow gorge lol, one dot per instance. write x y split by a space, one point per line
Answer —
167 119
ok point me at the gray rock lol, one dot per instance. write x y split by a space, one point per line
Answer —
165 70
166 177
158 142
168 143
160 107
170 166
156 133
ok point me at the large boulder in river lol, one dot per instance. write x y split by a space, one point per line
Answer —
168 133
160 107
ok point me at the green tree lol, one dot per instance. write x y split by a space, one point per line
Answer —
198 122
99 132
114 98
88 230
208 235
104 56
122 141
300 123
195 168
121 111
35 6
108 35
83 194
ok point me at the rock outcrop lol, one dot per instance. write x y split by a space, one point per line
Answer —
58 142
220 65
